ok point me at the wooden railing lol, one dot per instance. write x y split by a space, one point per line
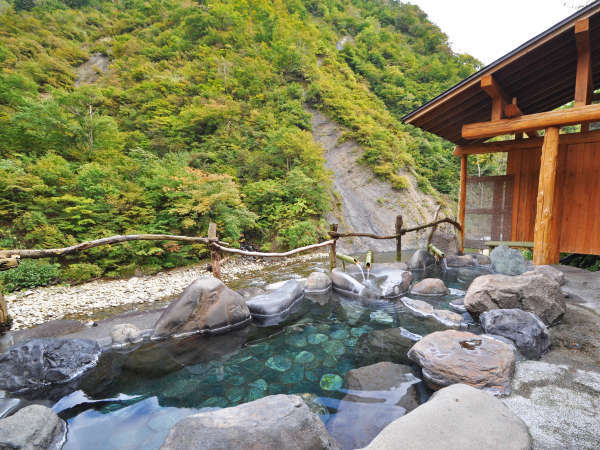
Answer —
10 259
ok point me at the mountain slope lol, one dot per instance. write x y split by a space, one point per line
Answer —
200 116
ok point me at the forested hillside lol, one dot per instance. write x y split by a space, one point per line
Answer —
201 117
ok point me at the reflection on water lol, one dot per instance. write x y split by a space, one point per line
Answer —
132 399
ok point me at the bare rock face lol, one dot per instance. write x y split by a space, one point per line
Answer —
456 417
430 286
378 395
524 328
446 242
448 357
273 422
33 427
536 293
206 305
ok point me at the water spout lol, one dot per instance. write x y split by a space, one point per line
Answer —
361 271
368 262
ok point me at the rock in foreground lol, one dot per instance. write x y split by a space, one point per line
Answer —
525 329
379 394
38 363
33 427
317 282
206 305
273 422
449 357
278 301
457 417
536 293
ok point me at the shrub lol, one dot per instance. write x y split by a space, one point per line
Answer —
399 182
29 274
78 273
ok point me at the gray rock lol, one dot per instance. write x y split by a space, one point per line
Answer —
9 405
31 428
481 259
456 417
207 306
346 284
460 261
39 363
446 242
535 293
273 422
430 286
524 328
317 282
276 302
437 318
421 260
507 261
458 305
550 272
249 292
125 333
390 344
378 395
467 274
396 283
449 357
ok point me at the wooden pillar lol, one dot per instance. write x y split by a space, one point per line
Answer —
215 257
583 78
546 234
399 223
332 249
462 202
3 311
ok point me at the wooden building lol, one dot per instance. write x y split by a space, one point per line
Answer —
550 195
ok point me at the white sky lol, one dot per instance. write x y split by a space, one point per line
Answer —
489 29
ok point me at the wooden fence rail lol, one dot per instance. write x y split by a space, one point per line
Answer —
10 258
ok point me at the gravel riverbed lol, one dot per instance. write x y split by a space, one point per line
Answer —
36 306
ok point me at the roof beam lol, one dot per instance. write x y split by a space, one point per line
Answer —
499 98
537 121
512 110
521 144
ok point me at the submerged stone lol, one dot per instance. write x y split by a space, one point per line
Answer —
259 384
311 375
296 340
236 380
235 394
279 363
215 402
350 342
381 317
292 376
316 339
304 357
330 361
340 334
331 382
357 332
334 348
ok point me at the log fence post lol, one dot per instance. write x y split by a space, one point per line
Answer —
399 223
215 256
332 249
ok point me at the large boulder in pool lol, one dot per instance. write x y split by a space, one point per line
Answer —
38 363
33 427
457 417
535 292
390 344
448 357
548 271
524 328
205 306
317 282
435 319
378 395
276 302
273 422
430 286
460 261
421 260
346 284
396 283
507 261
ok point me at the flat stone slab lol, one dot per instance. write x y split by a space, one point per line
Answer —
560 404
456 417
273 422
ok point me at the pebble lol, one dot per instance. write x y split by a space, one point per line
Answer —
36 306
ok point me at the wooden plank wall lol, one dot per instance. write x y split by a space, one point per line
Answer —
578 182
